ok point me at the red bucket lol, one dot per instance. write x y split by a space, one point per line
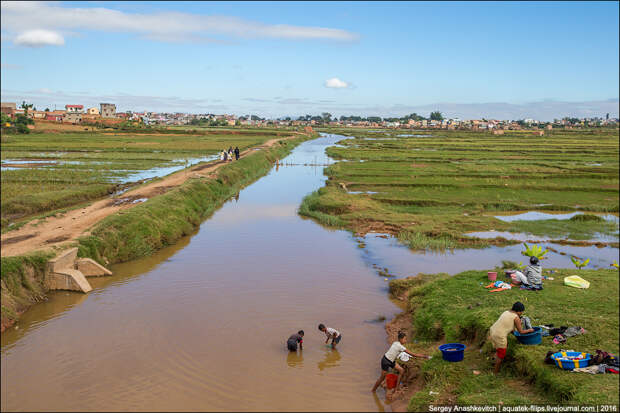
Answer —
492 275
390 380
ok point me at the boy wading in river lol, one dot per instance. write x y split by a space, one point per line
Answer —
331 333
388 361
292 341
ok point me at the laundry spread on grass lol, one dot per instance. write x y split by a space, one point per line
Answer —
599 363
560 334
499 286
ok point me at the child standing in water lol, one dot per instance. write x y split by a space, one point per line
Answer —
331 333
292 341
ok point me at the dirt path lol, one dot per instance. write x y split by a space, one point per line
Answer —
49 232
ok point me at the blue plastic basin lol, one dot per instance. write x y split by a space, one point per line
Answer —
452 351
562 361
530 338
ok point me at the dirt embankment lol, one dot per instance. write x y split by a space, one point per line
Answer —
58 231
411 381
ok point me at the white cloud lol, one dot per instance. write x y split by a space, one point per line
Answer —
163 26
336 83
38 38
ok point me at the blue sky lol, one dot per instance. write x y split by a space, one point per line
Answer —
512 59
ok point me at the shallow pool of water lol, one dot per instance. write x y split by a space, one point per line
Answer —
160 171
408 135
402 262
523 236
537 215
17 164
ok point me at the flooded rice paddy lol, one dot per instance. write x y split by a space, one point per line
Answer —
121 176
537 215
524 236
201 325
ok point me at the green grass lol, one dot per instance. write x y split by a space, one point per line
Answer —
429 191
312 208
22 283
162 220
460 309
89 165
579 227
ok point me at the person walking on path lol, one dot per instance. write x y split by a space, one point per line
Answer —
236 153
331 333
505 324
292 341
388 361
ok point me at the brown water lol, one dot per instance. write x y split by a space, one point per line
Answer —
202 325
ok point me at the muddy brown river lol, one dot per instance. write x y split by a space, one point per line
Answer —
202 325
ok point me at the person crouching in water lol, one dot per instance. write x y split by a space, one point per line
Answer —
388 360
532 277
506 324
292 341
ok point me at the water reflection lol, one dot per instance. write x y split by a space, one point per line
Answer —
380 407
538 215
295 359
331 359
62 302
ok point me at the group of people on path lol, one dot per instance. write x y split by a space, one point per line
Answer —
227 155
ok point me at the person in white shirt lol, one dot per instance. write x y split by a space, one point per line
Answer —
389 359
331 333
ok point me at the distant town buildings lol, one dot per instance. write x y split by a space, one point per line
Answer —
72 117
108 110
8 108
74 108
106 114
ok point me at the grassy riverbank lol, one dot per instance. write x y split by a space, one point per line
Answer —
432 187
22 284
439 314
143 229
46 171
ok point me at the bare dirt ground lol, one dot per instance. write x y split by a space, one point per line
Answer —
410 383
57 231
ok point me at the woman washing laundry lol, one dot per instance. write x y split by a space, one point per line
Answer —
506 324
